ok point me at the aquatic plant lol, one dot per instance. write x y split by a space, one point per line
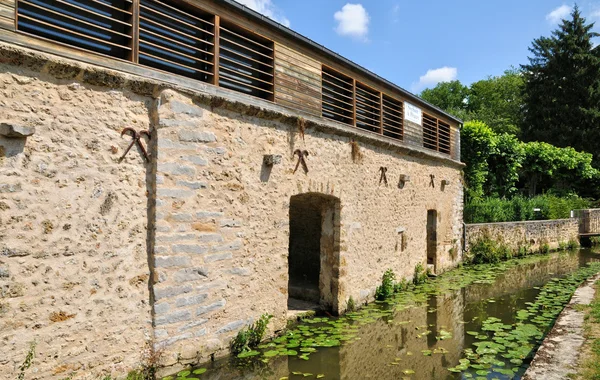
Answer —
544 248
248 338
386 289
502 348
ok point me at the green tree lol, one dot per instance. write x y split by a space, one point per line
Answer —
562 88
498 102
449 96
478 143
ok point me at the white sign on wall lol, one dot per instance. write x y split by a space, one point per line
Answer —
413 113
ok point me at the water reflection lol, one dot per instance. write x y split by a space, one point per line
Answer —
394 346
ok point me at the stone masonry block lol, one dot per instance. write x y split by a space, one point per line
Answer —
192 300
179 316
175 193
191 325
231 327
230 223
190 274
176 238
209 308
219 257
211 238
194 185
169 262
187 109
171 291
197 136
189 248
176 169
209 215
234 246
161 308
182 217
196 160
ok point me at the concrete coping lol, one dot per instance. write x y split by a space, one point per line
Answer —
65 64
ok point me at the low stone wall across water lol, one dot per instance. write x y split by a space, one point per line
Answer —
531 234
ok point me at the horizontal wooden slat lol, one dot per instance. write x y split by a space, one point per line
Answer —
179 32
227 77
298 85
299 70
258 44
177 52
239 73
71 18
313 100
309 63
7 23
312 111
175 63
348 95
89 11
186 14
244 47
75 33
245 66
176 20
177 42
243 56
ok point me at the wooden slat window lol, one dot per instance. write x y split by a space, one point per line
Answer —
101 26
176 39
338 96
436 134
368 108
246 61
393 117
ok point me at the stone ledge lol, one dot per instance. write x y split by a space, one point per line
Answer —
15 49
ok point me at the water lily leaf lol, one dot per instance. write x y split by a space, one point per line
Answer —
320 376
408 372
270 354
184 373
199 371
426 352
247 354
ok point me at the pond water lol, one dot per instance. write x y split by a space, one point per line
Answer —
481 322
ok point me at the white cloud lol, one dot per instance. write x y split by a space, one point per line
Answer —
595 14
396 13
435 76
558 14
267 8
353 20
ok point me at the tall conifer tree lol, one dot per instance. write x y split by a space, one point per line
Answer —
562 88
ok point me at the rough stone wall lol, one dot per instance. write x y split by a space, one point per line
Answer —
223 218
73 228
530 234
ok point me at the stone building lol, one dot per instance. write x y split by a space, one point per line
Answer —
273 175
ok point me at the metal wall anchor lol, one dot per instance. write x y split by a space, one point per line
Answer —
136 138
383 177
302 155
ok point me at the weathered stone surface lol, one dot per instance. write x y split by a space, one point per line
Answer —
169 262
219 257
69 248
197 136
190 248
16 131
192 300
178 316
186 109
190 274
209 308
161 308
195 185
176 169
231 327
169 292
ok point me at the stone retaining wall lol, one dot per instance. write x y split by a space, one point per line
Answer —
531 234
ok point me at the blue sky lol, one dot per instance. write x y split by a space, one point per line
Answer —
416 44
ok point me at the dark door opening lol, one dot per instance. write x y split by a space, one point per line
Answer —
313 251
432 239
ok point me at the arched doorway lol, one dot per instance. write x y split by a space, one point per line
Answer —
314 252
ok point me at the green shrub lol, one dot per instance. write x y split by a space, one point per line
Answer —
386 290
250 337
350 305
551 207
595 241
544 248
421 274
401 286
562 246
573 244
486 250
